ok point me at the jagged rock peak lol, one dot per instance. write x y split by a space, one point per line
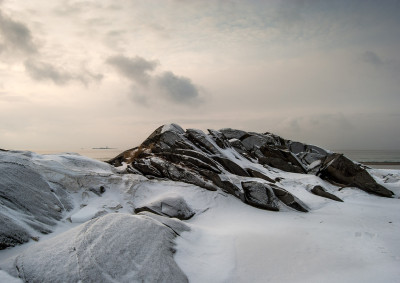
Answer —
235 160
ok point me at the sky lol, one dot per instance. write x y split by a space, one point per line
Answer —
82 74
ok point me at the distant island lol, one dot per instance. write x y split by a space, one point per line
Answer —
103 147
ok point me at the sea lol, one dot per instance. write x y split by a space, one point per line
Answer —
95 153
381 159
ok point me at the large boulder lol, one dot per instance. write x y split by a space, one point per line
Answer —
23 192
340 169
112 248
260 195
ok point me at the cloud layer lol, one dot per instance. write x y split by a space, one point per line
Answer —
147 86
136 69
88 71
15 37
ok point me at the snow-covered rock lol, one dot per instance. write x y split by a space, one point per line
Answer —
170 205
39 191
224 159
112 248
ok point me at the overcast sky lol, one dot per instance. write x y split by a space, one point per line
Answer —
76 74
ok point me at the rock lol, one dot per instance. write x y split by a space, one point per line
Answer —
24 192
189 161
11 233
254 142
202 141
98 191
145 167
311 156
167 136
260 195
143 245
198 155
176 172
289 199
320 191
239 147
256 174
233 134
219 138
122 157
340 169
231 166
213 160
281 159
170 206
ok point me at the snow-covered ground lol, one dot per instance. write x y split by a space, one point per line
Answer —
357 240
353 241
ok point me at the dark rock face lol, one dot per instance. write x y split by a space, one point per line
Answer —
289 199
210 160
260 195
342 170
320 191
256 174
171 206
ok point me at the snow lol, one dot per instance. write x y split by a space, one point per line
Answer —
388 178
172 127
7 278
357 240
84 214
206 255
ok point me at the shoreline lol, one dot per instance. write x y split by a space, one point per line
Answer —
380 163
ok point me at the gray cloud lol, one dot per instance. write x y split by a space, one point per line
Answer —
42 71
16 39
135 69
372 58
177 88
145 86
15 36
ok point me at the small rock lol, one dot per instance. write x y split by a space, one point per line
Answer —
320 191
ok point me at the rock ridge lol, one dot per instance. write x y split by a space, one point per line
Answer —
242 164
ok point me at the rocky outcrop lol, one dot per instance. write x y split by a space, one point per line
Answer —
241 163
